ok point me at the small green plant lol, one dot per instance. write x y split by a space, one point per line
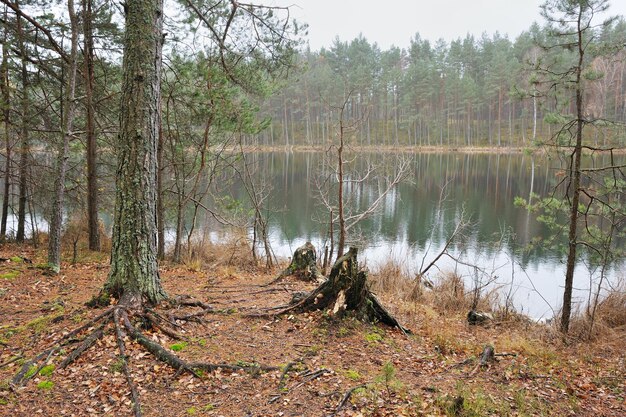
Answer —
353 375
47 385
3 401
177 347
47 370
343 332
387 378
313 350
192 411
202 342
208 407
16 259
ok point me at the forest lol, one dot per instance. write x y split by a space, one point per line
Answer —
154 155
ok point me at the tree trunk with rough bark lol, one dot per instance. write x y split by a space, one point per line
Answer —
6 117
24 139
134 276
92 173
69 107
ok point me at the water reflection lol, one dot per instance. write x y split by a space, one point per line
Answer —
412 225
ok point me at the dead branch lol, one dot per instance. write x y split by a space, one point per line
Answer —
345 399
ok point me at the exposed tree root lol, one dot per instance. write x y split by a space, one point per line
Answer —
119 317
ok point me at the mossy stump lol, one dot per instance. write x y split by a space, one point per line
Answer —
303 265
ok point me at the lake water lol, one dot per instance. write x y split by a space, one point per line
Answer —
411 226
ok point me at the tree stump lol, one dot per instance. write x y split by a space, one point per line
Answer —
303 265
346 290
478 318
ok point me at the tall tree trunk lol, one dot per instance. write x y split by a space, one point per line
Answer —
574 188
134 276
6 116
68 105
342 222
160 208
92 172
24 140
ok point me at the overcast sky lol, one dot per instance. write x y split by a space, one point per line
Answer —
394 22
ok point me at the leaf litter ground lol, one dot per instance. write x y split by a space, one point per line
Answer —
324 367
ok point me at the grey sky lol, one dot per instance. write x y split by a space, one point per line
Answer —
388 22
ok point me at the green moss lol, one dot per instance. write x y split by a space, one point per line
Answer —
47 370
47 385
343 332
11 275
245 364
117 366
17 259
177 347
373 337
3 401
31 371
101 300
192 411
39 324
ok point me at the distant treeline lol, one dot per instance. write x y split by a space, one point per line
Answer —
489 91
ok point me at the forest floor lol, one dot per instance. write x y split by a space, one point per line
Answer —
321 361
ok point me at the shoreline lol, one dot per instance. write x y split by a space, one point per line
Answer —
408 149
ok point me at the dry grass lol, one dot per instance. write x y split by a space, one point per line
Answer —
609 320
233 254
392 279
76 236
448 293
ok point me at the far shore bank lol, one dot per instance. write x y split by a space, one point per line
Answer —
408 149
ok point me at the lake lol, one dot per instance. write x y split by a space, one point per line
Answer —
411 226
